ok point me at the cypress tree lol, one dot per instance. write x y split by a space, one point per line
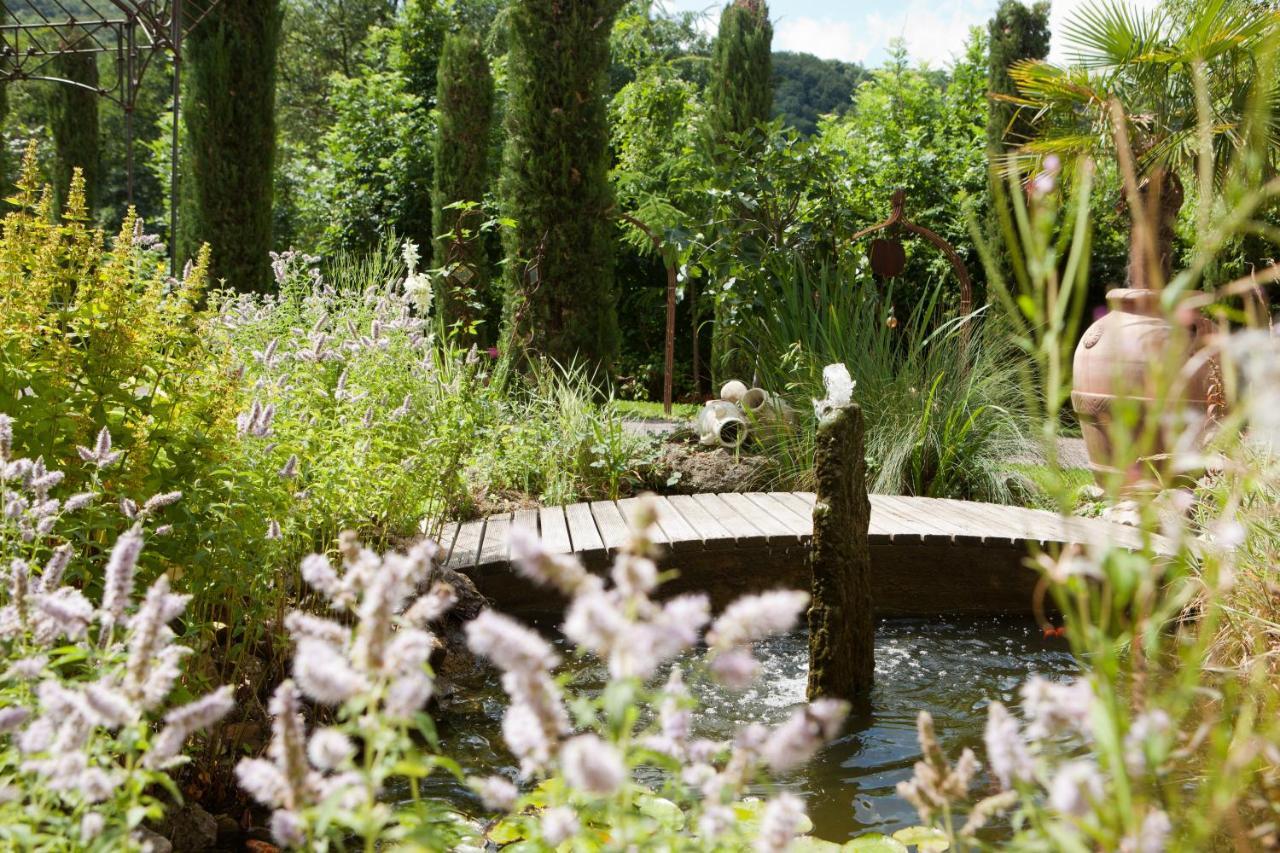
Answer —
555 182
740 92
1018 33
74 121
231 137
739 96
464 105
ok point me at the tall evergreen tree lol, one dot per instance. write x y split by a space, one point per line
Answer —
1018 32
464 104
74 120
740 92
231 137
555 182
739 96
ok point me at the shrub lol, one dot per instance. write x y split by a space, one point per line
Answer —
97 337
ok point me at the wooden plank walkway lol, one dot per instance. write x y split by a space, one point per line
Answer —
695 522
926 552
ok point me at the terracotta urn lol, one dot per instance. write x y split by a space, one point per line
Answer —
1114 360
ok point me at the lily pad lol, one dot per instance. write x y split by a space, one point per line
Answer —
809 844
874 842
924 838
668 815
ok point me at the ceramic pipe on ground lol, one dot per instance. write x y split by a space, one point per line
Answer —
722 424
765 408
733 391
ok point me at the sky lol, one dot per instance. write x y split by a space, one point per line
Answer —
860 30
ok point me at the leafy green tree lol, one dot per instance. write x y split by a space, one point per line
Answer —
555 184
907 132
658 176
422 31
320 38
464 111
231 137
1145 75
740 94
1016 33
806 88
74 121
374 178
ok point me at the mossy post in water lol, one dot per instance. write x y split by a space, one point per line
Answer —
841 626
74 121
464 108
230 111
555 184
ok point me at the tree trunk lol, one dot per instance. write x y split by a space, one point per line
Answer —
841 628
1151 256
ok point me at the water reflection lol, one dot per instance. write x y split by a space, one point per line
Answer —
951 667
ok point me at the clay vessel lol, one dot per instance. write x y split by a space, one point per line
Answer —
721 424
1114 359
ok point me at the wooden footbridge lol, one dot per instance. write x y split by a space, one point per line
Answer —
928 555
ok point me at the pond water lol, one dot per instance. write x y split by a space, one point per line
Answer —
951 667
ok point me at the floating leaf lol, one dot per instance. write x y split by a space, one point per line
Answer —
924 838
874 843
809 844
668 815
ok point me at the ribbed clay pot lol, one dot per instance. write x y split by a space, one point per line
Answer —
1114 359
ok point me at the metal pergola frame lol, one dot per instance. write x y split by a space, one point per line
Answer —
135 32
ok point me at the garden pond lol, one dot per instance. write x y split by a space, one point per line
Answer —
952 667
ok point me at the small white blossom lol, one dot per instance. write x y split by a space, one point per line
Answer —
781 822
496 792
324 675
591 765
558 825
329 749
755 617
1075 788
1006 750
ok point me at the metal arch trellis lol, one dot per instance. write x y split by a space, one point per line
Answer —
33 33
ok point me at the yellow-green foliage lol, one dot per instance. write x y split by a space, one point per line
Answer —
95 334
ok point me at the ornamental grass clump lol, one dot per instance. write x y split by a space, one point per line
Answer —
88 737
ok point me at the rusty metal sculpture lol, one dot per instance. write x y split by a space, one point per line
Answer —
135 32
888 259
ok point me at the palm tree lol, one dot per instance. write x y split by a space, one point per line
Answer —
1140 80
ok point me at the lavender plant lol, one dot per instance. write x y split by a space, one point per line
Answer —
587 763
87 737
355 390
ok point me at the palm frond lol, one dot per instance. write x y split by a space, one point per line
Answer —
1109 33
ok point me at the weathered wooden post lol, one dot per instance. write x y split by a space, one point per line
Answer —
841 628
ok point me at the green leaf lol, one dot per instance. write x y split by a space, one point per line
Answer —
809 844
668 815
505 831
874 843
924 838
